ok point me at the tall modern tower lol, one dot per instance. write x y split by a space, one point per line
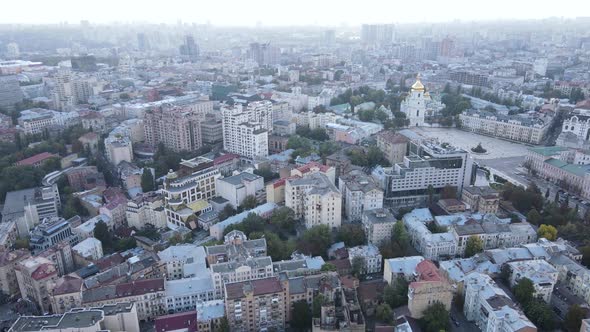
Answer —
190 49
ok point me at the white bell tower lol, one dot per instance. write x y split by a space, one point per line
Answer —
414 106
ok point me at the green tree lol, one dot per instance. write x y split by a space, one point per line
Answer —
473 246
585 256
302 316
435 318
524 291
329 267
318 301
147 180
21 243
266 173
102 233
400 235
547 231
358 266
249 202
278 249
352 235
251 224
227 212
384 313
284 219
534 217
315 241
396 294
223 325
540 314
573 318
430 191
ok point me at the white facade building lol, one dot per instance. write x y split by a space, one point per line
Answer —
89 248
315 199
246 129
542 274
490 308
414 106
236 188
370 255
428 164
360 193
378 225
118 149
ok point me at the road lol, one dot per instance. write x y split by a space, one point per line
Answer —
464 325
509 167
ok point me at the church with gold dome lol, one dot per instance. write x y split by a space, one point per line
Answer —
414 106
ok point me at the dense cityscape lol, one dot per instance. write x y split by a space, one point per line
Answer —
377 177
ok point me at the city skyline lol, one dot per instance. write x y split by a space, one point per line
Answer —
267 13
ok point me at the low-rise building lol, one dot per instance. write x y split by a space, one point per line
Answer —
146 294
518 128
370 256
90 249
378 225
27 207
146 209
394 146
35 277
209 315
542 274
236 188
360 193
490 308
183 261
9 260
115 317
50 232
184 294
428 287
401 267
8 235
481 199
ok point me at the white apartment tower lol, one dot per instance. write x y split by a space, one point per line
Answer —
246 129
64 95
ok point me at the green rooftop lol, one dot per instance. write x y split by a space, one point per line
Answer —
548 151
578 170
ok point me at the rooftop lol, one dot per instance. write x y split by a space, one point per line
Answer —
257 287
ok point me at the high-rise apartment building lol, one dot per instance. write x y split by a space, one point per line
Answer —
64 96
377 33
178 128
360 193
315 199
246 129
190 49
10 92
255 305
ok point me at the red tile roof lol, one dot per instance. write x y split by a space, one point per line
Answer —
427 272
68 284
314 164
35 159
224 158
44 271
139 287
186 321
257 287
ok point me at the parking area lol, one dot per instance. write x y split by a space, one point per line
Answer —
496 148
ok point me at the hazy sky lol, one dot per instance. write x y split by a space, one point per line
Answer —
276 12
